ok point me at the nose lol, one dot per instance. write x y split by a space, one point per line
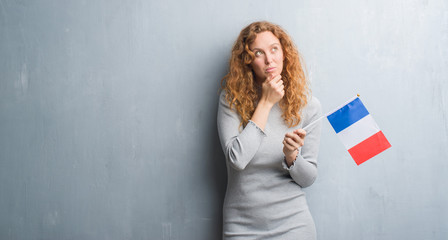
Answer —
269 58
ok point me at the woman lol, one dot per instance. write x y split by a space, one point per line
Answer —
263 107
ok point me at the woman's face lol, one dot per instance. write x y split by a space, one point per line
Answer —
268 56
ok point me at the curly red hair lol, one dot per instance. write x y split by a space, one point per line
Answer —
241 88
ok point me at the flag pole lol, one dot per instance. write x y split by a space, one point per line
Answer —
320 118
314 122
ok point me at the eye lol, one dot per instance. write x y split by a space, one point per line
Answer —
258 53
274 49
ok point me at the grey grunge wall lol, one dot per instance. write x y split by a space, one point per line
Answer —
108 115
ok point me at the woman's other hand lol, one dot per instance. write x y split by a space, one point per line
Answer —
292 142
272 89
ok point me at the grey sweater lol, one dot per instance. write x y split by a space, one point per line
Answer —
264 198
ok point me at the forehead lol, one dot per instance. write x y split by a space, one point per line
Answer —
264 39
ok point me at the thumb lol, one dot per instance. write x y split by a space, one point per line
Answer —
271 76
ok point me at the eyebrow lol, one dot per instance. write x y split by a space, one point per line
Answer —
256 48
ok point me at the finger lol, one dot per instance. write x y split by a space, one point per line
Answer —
297 142
292 143
281 87
279 84
269 78
276 78
294 136
300 132
279 90
290 135
272 83
289 146
301 143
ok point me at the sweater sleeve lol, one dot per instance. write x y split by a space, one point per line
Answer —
239 146
304 169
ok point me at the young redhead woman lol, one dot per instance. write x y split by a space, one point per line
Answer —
264 104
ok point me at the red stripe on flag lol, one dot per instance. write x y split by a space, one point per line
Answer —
370 147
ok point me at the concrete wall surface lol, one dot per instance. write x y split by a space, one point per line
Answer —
108 115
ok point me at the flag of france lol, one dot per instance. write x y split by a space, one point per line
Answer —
358 131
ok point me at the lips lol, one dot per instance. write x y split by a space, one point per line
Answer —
270 70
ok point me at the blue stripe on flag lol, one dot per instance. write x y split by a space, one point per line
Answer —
347 115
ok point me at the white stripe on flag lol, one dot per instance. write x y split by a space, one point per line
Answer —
358 131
